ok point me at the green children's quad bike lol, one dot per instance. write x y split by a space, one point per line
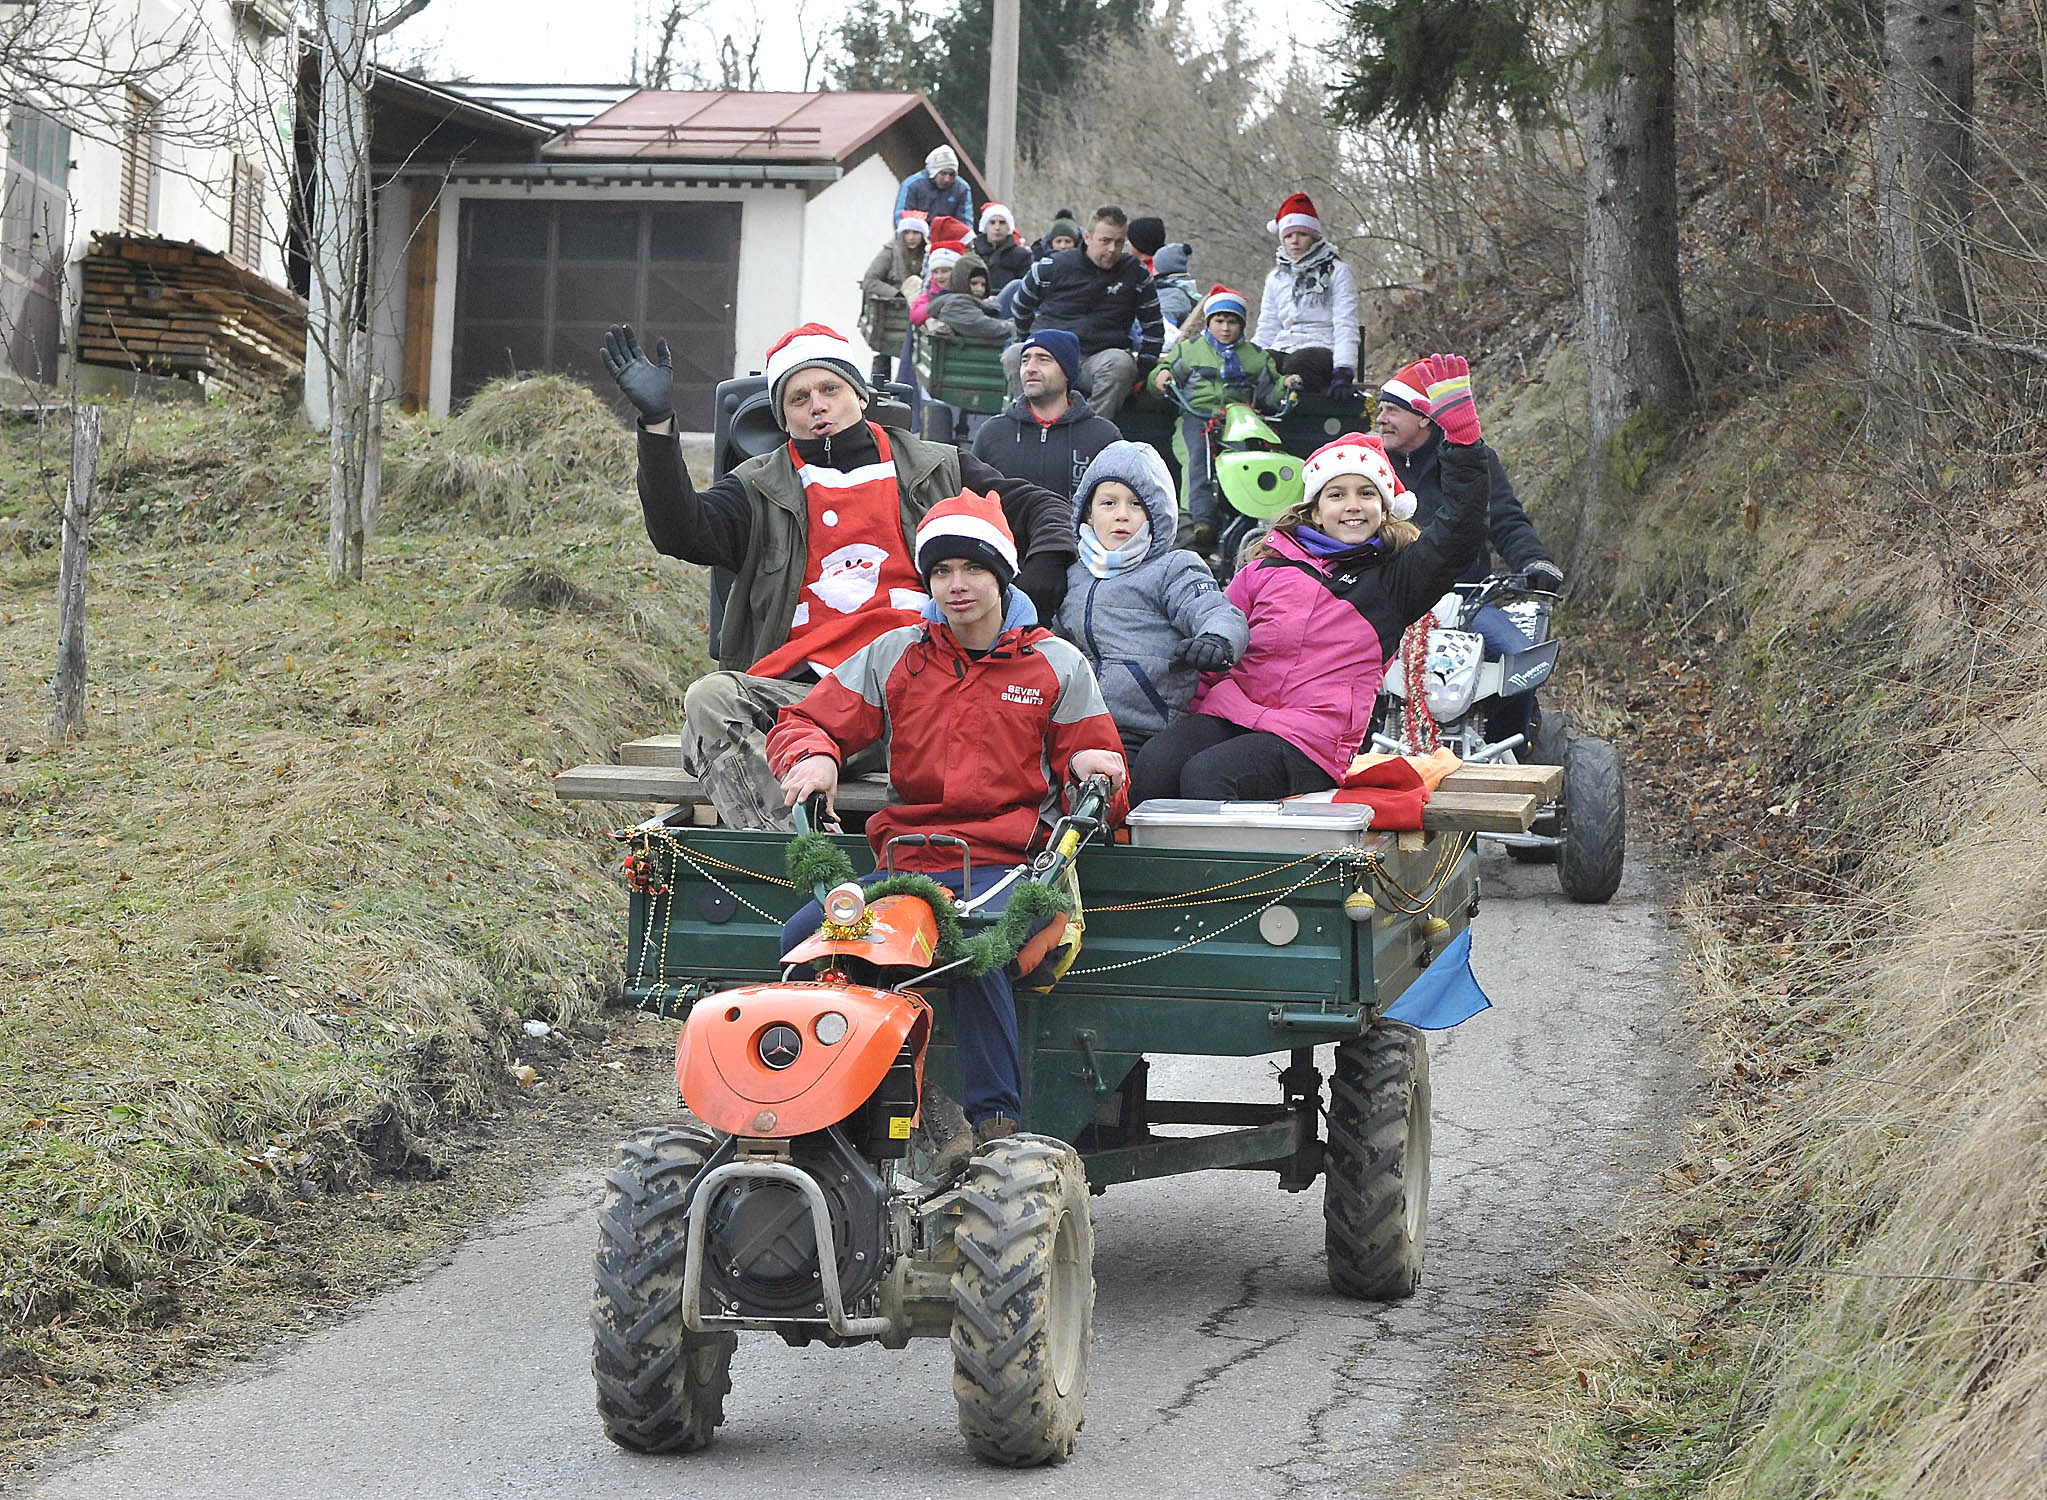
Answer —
1254 474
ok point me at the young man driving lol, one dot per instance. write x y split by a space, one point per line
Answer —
987 719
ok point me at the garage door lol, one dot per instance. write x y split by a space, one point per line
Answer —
540 281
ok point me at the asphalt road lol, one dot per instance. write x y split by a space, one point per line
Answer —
1222 1359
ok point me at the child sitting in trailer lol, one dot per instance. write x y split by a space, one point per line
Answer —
1149 617
1211 371
963 309
1328 593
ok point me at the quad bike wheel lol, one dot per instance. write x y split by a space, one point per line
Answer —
1552 740
1593 821
1375 1199
1023 1319
660 1388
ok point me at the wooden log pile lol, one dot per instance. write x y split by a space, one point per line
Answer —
168 308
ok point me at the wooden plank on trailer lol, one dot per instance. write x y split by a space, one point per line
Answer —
1541 781
604 783
654 750
1480 812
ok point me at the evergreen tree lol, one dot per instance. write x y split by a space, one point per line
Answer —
883 46
1412 62
1054 39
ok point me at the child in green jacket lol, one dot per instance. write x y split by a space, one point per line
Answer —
1213 370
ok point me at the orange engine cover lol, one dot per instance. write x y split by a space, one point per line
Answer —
899 932
726 1083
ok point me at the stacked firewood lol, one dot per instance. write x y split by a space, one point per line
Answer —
180 309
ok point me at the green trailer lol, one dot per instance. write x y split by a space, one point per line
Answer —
848 1220
962 373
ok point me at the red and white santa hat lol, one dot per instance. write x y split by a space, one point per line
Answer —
1358 453
813 344
1298 212
914 218
941 259
970 526
993 210
1409 389
946 230
1223 299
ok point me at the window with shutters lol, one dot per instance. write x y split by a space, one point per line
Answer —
245 215
140 165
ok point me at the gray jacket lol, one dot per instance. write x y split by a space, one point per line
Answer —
1131 623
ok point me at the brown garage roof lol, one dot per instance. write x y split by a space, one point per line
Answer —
730 125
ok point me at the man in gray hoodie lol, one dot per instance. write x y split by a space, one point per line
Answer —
1150 617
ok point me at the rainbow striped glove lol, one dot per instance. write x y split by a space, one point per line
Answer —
1449 393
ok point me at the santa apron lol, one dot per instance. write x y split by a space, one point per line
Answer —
858 579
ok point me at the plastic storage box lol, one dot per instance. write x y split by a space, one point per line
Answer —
1266 827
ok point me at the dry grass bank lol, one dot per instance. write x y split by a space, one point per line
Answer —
286 904
1837 1290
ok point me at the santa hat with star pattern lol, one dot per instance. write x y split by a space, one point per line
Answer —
1356 453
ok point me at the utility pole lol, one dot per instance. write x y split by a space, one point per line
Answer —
338 190
1002 46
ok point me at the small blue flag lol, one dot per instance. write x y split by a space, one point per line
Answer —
1444 994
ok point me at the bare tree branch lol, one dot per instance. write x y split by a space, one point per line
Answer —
1974 340
398 17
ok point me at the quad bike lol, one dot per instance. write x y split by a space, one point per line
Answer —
1257 478
808 1203
1585 829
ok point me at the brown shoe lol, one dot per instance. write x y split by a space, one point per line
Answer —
994 1128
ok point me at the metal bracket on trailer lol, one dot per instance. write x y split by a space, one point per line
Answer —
703 1191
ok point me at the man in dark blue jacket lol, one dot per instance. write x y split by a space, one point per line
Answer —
1050 435
1095 291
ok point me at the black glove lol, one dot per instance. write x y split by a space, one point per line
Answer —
648 383
1043 577
1339 382
1544 575
1206 652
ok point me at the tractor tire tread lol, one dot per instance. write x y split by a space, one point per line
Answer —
1010 1410
1369 1161
660 1388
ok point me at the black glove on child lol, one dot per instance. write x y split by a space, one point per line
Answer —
1206 653
1545 575
1043 577
648 383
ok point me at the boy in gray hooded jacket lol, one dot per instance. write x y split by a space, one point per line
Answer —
1150 617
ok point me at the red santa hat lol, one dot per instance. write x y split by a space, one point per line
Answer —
1409 389
1298 212
946 230
812 345
970 526
1357 453
914 218
992 210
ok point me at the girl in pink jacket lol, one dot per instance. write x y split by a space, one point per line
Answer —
1328 593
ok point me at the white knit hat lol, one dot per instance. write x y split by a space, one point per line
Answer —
942 159
1358 453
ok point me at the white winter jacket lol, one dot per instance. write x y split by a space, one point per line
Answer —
1289 319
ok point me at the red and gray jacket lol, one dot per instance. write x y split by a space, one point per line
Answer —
978 748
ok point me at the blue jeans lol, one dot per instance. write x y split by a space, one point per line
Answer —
983 1010
1504 638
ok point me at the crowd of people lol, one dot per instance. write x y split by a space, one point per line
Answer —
989 625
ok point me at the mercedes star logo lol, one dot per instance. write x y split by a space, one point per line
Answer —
779 1046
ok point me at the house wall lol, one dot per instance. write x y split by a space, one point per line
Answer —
842 228
228 92
779 248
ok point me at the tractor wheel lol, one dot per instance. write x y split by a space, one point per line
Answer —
1375 1202
1552 742
1023 1320
1593 830
660 1388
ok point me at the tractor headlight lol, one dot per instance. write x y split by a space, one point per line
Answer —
845 904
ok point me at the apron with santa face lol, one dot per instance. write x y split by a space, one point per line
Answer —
858 580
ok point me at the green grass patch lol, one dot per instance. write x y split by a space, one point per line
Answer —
281 907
